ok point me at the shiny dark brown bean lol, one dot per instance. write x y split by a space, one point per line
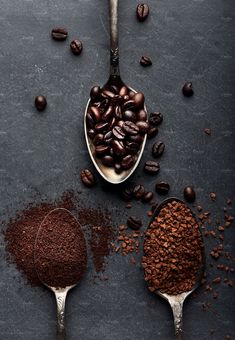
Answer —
132 148
117 168
87 178
126 97
143 126
147 197
145 61
151 167
120 123
40 103
162 188
95 113
138 191
137 139
118 112
76 46
59 33
152 132
107 114
142 12
91 133
98 139
189 194
130 128
107 161
187 89
101 149
100 127
139 100
112 123
108 94
134 223
123 91
118 148
108 137
90 121
127 162
155 118
158 149
95 92
118 133
129 115
142 115
129 105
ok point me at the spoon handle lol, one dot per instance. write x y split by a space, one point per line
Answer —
177 308
60 301
114 52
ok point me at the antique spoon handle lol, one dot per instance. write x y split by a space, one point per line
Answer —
177 308
114 52
60 301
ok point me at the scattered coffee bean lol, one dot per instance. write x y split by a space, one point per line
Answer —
158 149
59 33
134 223
138 191
162 188
127 194
76 46
189 194
87 178
152 132
151 167
187 89
145 61
147 197
142 12
155 118
143 126
207 131
40 103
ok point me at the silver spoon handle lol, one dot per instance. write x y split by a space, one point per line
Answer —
177 308
60 301
114 52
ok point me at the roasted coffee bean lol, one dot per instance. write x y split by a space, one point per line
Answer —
101 149
155 118
59 33
130 128
108 137
129 105
90 121
189 194
98 139
126 97
123 91
143 126
95 113
134 223
104 104
118 112
76 46
129 115
114 89
40 103
95 92
118 148
127 162
111 152
187 89
117 168
127 194
145 61
158 149
142 115
100 127
107 161
138 191
152 132
87 178
131 94
137 139
162 188
108 94
107 114
91 133
147 197
118 133
142 12
132 148
112 123
139 100
151 167
120 123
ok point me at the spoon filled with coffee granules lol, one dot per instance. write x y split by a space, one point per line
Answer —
173 258
60 258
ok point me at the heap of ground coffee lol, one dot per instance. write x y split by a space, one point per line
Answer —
173 250
60 254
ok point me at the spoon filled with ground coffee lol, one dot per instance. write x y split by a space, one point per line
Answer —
115 120
173 258
60 258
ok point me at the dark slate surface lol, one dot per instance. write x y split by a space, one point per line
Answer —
187 40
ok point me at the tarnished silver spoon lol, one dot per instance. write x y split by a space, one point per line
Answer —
177 301
59 244
108 173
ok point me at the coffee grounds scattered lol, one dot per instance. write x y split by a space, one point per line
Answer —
128 241
173 250
60 254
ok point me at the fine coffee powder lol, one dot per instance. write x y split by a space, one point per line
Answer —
173 250
60 250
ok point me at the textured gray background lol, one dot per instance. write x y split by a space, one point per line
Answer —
42 153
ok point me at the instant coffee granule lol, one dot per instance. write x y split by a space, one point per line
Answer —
60 255
173 250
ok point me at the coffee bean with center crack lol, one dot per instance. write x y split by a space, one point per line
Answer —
87 178
155 118
147 197
127 162
127 194
59 33
76 46
143 126
152 132
118 133
130 128
145 61
151 167
101 149
118 148
98 139
134 223
107 114
138 191
162 188
158 149
142 12
129 116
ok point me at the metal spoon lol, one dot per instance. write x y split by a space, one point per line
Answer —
114 79
60 293
177 301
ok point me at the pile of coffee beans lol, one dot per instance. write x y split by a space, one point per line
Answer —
116 124
173 250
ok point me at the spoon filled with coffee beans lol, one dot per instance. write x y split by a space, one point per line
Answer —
173 258
115 119
60 258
